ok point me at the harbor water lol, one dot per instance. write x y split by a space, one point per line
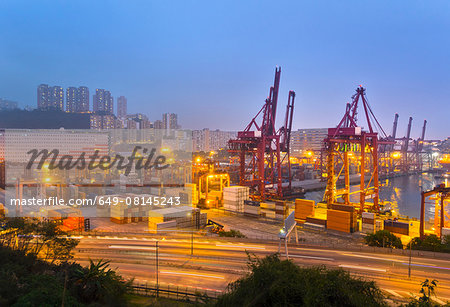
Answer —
401 194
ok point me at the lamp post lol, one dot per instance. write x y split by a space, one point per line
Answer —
192 242
192 232
157 271
410 256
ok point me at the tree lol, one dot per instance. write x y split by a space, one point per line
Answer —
275 282
39 237
383 238
427 290
429 243
44 290
98 283
26 280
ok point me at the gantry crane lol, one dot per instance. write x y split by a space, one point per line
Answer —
262 149
348 138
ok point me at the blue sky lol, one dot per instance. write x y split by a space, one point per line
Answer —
212 62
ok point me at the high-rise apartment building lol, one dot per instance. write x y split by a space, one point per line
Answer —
42 96
103 121
170 121
307 139
121 107
82 99
6 104
77 99
136 121
55 98
207 140
103 101
158 124
71 99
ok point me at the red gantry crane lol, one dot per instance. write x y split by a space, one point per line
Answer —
262 149
348 140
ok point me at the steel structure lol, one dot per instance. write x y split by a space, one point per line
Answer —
408 153
348 139
262 149
442 194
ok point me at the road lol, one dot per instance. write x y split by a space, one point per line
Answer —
216 262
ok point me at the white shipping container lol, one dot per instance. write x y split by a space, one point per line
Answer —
368 215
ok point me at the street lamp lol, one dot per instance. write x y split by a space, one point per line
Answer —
157 271
410 256
192 233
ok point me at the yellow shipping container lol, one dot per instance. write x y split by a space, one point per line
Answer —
270 206
304 208
338 220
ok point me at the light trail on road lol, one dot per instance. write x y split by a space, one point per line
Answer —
135 257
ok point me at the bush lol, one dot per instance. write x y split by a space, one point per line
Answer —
432 243
427 291
446 244
27 281
276 282
383 238
231 233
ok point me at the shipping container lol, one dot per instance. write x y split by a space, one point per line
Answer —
304 208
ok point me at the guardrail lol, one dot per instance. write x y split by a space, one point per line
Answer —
176 293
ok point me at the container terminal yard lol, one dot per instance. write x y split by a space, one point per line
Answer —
252 189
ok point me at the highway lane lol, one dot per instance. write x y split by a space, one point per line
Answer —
136 257
393 264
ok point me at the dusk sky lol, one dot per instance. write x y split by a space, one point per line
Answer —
212 62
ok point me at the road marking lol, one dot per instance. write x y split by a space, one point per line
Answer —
428 266
438 300
191 274
312 257
361 268
132 247
76 237
409 294
371 257
392 292
240 246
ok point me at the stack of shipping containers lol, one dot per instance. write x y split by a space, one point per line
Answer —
251 208
234 197
303 209
368 222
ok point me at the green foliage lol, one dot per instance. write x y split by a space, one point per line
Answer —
427 291
232 233
26 280
38 237
98 283
383 238
276 282
44 290
446 243
34 270
428 243
431 243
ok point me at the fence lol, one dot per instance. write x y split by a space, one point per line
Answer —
188 294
